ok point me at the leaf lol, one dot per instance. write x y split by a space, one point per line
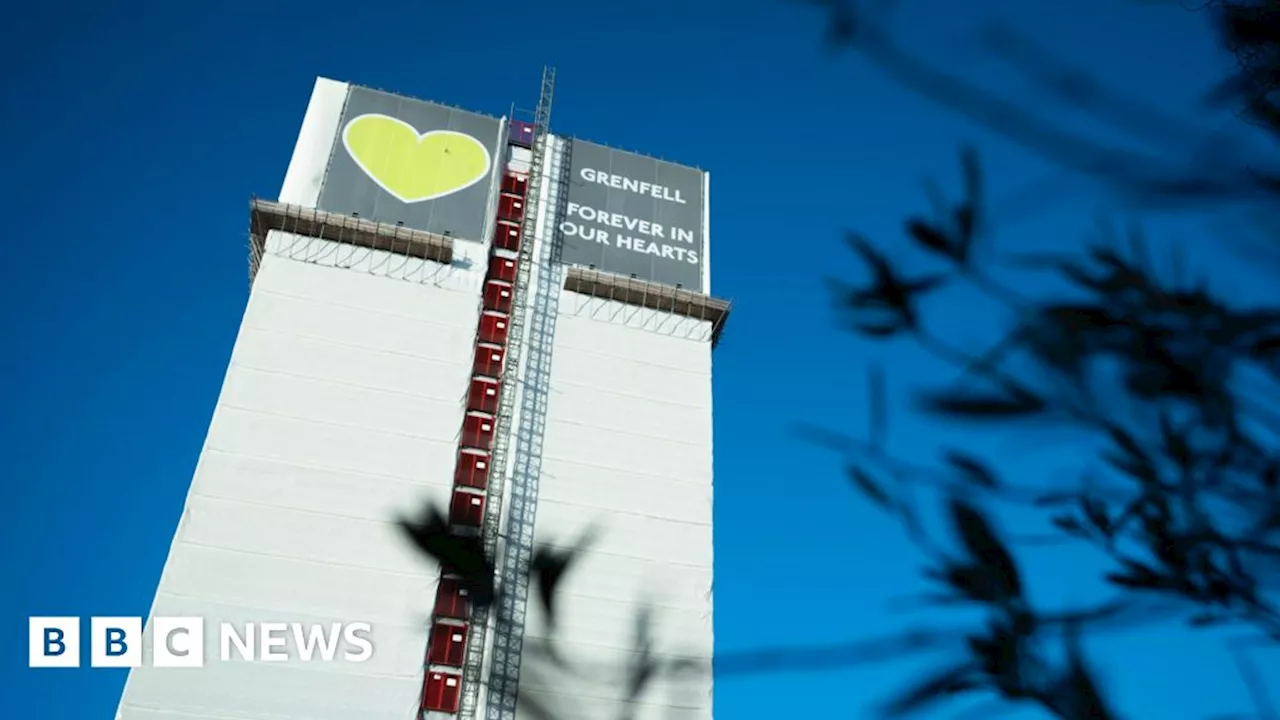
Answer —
1137 576
985 547
991 406
1085 699
879 265
975 582
972 470
968 215
930 238
939 686
431 535
1068 524
1175 443
1265 348
869 487
879 331
1126 442
889 293
1060 497
1081 318
551 564
643 667
1141 470
1096 513
966 222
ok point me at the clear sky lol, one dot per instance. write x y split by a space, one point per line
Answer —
137 131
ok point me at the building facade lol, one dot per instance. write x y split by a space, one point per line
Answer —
469 311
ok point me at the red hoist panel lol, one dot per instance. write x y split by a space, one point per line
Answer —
515 184
502 268
483 395
472 471
493 329
467 509
448 644
488 361
507 236
477 431
452 600
441 693
497 296
510 207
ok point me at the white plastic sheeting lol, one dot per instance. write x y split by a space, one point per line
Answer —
628 448
340 410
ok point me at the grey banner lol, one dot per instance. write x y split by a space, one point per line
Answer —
633 215
398 160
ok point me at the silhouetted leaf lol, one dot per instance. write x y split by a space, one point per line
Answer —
1061 497
869 487
1140 469
889 293
1175 443
972 470
1125 442
879 330
1068 524
930 238
1083 701
942 685
1271 476
431 534
990 406
1201 620
642 665
1266 348
549 566
1137 576
999 651
974 582
1096 513
879 265
968 213
985 547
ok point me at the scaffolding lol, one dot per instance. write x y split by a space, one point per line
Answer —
499 455
306 225
651 295
517 557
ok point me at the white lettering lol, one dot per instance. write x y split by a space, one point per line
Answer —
276 641
639 187
590 234
667 252
268 642
328 643
352 634
244 644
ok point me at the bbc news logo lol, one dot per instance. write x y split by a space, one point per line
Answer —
179 642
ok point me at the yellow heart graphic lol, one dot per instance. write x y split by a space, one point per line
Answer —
414 166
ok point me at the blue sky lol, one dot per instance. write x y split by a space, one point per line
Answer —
138 131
